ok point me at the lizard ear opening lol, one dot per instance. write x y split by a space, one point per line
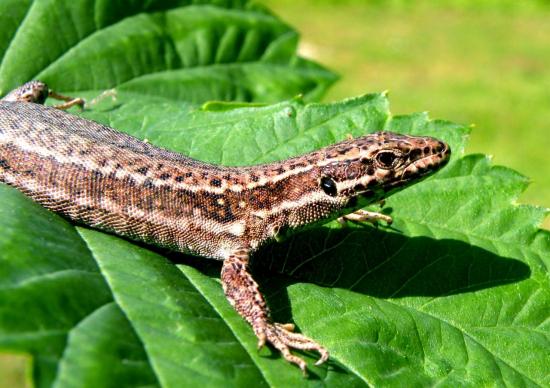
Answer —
329 186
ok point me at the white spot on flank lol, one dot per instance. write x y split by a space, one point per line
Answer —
226 250
237 228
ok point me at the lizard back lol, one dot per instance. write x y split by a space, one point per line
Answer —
106 179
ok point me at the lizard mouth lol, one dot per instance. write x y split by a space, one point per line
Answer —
416 170
428 164
431 163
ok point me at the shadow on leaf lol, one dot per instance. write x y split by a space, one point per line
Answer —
374 262
388 265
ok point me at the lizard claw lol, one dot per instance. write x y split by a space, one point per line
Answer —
261 340
286 326
324 357
282 337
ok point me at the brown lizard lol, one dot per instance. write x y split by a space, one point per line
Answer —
96 176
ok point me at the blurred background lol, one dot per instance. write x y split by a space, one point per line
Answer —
484 63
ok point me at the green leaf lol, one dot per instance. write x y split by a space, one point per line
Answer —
183 50
103 349
456 292
49 282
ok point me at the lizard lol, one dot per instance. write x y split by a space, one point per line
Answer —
102 178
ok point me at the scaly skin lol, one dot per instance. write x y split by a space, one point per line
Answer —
97 176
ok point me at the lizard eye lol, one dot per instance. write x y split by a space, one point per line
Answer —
386 159
328 186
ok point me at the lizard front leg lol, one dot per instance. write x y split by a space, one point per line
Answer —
244 295
362 215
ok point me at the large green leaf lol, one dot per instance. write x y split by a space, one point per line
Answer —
101 351
185 50
456 292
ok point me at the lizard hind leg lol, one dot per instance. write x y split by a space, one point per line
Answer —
244 295
37 92
33 91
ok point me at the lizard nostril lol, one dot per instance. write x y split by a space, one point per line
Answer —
415 154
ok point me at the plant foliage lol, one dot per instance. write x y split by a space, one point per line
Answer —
456 292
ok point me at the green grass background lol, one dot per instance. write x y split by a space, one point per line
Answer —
484 62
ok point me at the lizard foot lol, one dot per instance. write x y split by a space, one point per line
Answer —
362 215
244 295
283 338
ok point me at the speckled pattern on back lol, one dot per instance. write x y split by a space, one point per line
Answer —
97 176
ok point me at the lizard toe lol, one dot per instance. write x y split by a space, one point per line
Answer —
282 337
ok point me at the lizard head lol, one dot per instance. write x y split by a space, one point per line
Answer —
372 167
337 180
